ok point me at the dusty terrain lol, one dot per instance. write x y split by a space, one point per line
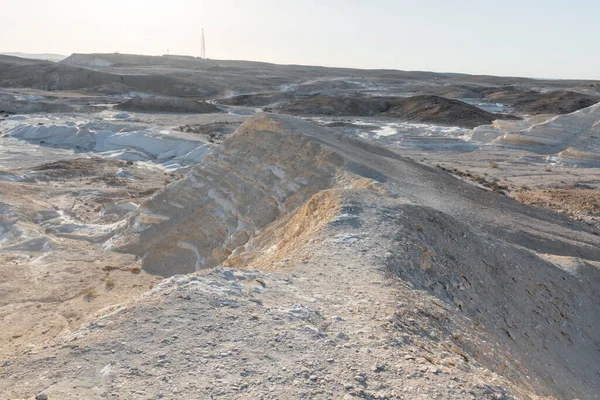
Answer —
53 277
160 237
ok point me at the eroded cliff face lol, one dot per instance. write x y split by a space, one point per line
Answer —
570 138
264 171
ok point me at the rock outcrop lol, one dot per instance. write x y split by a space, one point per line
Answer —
551 102
570 138
121 139
263 171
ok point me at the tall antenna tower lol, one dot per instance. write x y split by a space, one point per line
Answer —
203 55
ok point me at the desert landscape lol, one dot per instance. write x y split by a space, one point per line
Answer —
183 228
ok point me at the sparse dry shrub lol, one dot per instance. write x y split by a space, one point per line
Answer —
90 294
109 284
133 270
493 165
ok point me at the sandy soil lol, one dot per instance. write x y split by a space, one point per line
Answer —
53 274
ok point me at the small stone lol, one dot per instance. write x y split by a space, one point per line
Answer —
182 281
378 368
360 378
255 300
41 396
262 282
313 378
226 274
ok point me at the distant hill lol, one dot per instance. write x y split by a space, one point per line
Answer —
44 56
18 72
207 79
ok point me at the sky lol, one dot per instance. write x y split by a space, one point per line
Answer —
543 39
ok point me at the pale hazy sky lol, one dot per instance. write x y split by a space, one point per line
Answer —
539 38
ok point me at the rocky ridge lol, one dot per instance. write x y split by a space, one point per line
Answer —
343 270
395 280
